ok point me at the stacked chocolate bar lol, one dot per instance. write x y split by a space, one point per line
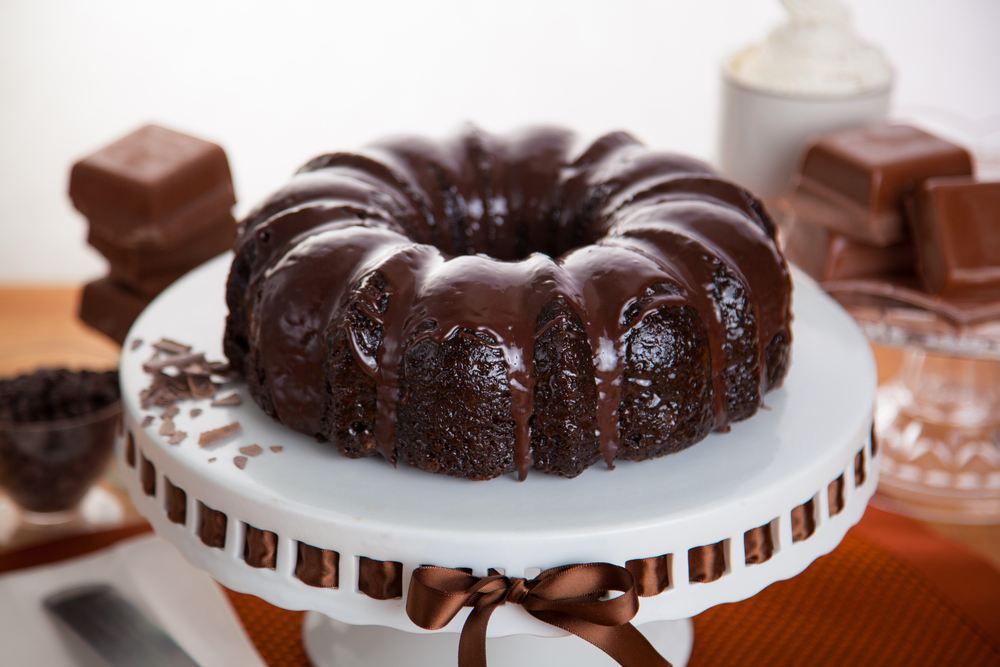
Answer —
159 204
897 204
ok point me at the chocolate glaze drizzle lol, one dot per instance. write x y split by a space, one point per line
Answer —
475 236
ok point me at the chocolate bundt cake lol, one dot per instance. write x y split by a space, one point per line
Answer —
490 304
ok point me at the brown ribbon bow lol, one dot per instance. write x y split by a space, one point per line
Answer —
567 597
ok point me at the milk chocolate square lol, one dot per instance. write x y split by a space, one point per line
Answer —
852 181
111 308
826 255
153 187
148 272
956 231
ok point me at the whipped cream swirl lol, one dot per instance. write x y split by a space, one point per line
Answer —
815 53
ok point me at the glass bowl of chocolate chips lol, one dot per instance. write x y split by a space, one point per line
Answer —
57 428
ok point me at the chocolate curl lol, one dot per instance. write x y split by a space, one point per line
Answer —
568 597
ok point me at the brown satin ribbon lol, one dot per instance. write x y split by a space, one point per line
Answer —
213 527
652 575
835 496
758 545
380 579
318 567
707 563
568 597
260 548
148 473
176 503
803 521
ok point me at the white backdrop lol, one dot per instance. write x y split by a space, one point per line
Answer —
277 83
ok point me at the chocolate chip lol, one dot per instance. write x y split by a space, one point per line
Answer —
167 427
135 344
177 437
195 412
147 421
240 461
252 450
277 448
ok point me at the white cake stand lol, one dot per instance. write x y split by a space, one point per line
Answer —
807 439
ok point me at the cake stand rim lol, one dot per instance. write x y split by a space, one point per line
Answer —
287 598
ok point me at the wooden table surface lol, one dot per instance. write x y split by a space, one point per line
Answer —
39 325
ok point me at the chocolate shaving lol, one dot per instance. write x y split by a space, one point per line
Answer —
198 370
219 368
195 412
252 450
177 437
211 437
170 411
171 346
277 448
167 427
241 462
147 420
212 460
135 344
201 386
231 399
177 361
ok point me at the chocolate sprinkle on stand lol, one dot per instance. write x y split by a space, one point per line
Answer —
212 460
195 412
147 420
211 437
240 462
176 361
231 399
167 427
135 344
277 448
170 411
252 450
171 346
177 437
201 386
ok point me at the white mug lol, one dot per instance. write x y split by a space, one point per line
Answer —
763 135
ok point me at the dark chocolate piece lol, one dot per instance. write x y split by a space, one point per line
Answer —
154 187
110 308
171 346
147 421
277 449
826 255
956 230
150 271
240 462
852 181
176 437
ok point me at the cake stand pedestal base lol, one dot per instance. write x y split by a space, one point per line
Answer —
330 643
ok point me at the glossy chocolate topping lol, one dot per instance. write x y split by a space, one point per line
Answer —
473 237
